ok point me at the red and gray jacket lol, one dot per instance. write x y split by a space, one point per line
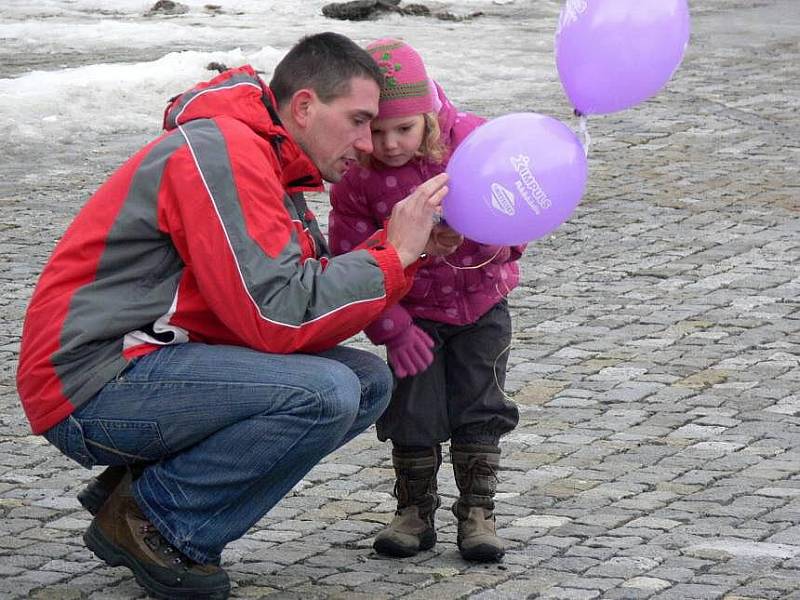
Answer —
202 236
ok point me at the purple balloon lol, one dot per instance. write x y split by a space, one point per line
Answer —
613 54
514 179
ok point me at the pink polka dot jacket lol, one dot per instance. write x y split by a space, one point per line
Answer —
443 289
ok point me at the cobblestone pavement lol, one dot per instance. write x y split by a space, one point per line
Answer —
655 364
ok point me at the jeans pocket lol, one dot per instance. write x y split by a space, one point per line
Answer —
121 441
68 437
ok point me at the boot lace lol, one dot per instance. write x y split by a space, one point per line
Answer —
158 544
402 491
401 494
477 464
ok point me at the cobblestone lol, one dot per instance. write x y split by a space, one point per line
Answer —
654 359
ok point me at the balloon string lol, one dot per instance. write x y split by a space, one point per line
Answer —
496 378
483 264
507 292
504 350
587 139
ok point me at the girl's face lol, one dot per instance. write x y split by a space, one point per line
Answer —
395 141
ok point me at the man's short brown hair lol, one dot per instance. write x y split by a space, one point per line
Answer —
325 63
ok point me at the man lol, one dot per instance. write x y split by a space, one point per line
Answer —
187 323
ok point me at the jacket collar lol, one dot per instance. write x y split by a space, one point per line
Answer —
241 94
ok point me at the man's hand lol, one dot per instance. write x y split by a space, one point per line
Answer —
412 220
443 241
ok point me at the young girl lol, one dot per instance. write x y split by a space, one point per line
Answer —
447 340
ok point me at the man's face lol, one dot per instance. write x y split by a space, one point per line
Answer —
338 130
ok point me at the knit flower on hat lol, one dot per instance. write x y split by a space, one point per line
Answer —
389 69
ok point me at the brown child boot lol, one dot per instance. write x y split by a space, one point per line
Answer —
475 468
412 528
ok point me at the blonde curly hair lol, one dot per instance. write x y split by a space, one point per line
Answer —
432 147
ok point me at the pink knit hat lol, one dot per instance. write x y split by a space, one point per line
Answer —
406 89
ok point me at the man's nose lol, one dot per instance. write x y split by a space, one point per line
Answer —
364 144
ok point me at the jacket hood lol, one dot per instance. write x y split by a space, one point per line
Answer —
447 114
240 94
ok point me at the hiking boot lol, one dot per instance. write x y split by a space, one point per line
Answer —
475 469
99 488
121 535
412 529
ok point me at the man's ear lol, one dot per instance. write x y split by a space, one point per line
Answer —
302 106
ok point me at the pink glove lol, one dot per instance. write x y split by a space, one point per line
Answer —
409 352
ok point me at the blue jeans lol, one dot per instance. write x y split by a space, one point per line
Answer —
229 431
